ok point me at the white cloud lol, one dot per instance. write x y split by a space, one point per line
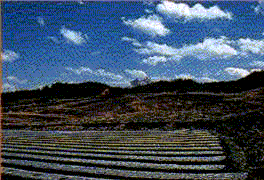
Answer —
237 71
128 39
134 41
72 82
41 21
184 76
154 60
102 72
41 87
199 79
136 73
123 83
174 58
9 55
79 70
151 25
249 45
257 63
181 10
148 2
148 11
259 8
205 80
15 79
210 48
54 39
70 69
154 48
8 87
85 69
80 2
95 53
161 78
256 70
12 83
73 36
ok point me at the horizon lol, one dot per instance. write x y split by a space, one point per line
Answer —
116 42
132 86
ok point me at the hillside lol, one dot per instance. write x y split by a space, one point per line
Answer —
235 117
93 89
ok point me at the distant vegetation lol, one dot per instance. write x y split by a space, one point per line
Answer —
87 89
56 91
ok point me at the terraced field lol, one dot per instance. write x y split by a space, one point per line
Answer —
181 154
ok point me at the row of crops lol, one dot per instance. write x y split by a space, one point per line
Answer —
181 154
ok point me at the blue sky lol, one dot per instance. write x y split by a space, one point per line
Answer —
116 42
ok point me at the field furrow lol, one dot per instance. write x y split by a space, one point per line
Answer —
114 155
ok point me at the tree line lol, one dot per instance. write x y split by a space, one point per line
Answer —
61 90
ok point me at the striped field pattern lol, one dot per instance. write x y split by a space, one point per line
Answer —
181 154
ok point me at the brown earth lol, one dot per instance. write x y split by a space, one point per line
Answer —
236 118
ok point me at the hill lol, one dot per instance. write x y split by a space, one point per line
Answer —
233 110
92 89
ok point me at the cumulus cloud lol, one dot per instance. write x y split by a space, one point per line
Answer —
8 87
79 70
123 83
197 79
154 60
256 70
154 48
205 80
41 21
257 63
174 58
160 78
259 9
210 48
151 25
73 36
128 39
250 45
148 11
237 71
184 76
134 41
102 72
9 55
181 10
136 73
148 2
12 82
15 79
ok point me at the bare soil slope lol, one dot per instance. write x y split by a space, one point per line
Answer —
236 118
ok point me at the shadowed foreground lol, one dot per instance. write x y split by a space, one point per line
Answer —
181 154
